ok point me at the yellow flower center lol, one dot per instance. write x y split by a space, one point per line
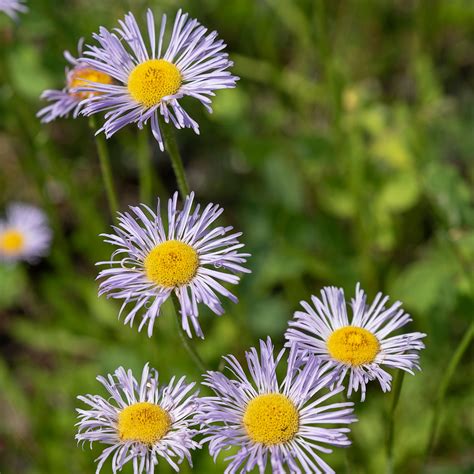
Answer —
353 346
11 242
171 263
152 80
271 419
80 76
143 422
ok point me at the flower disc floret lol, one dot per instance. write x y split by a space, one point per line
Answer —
171 263
11 242
152 80
271 419
353 346
83 76
144 422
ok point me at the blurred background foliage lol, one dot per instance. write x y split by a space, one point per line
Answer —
345 154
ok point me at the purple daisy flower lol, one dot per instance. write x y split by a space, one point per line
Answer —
283 424
140 421
24 234
152 80
70 100
13 7
189 259
360 347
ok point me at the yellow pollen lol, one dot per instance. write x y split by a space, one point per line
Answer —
271 419
143 422
80 76
353 346
171 263
152 80
11 242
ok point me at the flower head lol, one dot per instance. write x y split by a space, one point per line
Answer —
12 7
283 424
358 348
140 421
24 234
70 99
190 258
151 78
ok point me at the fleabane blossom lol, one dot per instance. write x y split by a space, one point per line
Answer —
152 78
24 234
140 421
357 349
286 425
70 100
183 254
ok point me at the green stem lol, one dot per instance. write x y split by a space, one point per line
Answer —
396 391
172 147
105 168
185 340
144 167
347 451
443 387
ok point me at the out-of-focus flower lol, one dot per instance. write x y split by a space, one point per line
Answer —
358 348
24 234
190 259
140 421
13 7
283 425
70 100
152 79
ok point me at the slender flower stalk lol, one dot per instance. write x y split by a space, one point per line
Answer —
176 161
106 170
396 391
196 358
443 387
145 167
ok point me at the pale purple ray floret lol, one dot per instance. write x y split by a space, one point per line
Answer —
13 7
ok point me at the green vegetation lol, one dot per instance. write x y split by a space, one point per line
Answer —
345 154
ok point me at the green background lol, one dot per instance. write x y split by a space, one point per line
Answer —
345 154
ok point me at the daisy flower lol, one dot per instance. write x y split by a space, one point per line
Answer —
358 348
140 421
152 79
70 100
190 258
12 7
24 234
280 424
